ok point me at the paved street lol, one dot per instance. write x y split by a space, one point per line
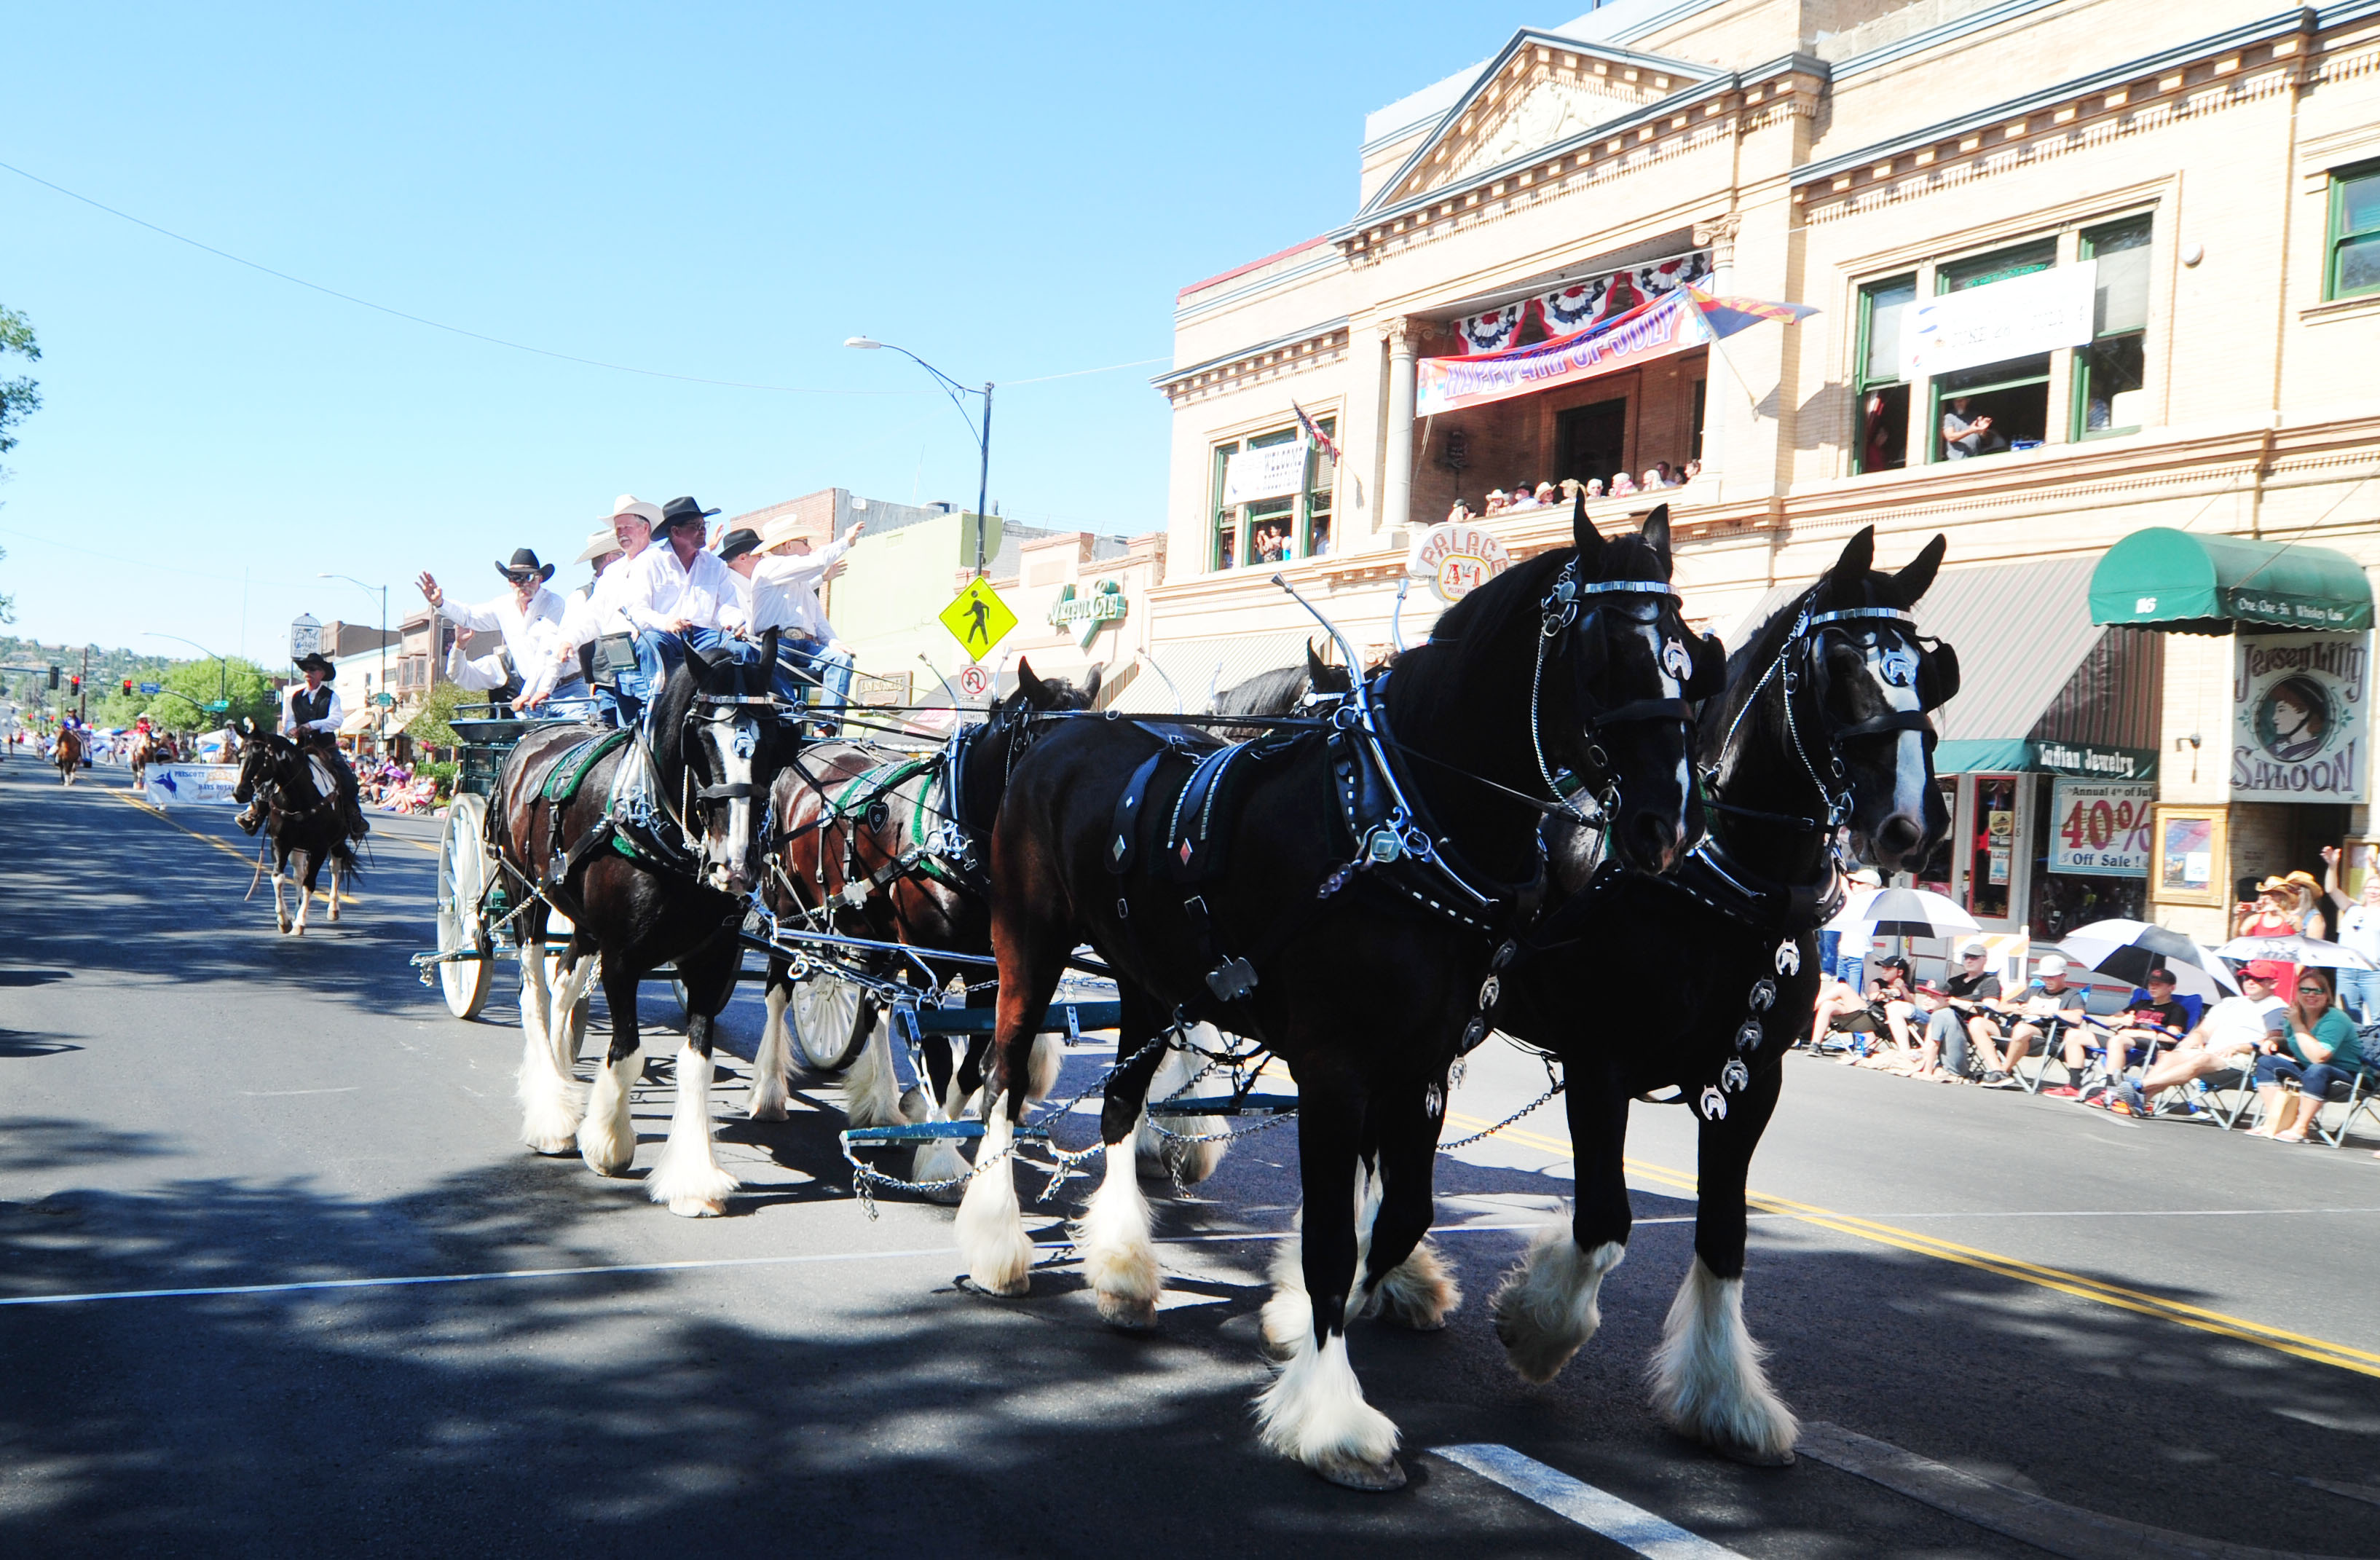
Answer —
2030 1312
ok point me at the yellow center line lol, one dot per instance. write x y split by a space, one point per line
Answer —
2322 1351
350 896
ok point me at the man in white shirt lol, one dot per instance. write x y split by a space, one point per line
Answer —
592 617
780 589
678 595
2359 930
2227 1038
310 713
529 616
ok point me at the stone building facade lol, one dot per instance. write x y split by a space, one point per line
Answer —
2201 170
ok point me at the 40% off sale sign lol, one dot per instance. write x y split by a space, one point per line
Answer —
2101 827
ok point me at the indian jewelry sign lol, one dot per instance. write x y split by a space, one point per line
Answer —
1455 559
2298 720
1087 614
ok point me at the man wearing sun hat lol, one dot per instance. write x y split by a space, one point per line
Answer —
593 619
528 615
677 594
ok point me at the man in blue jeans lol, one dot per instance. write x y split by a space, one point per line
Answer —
680 597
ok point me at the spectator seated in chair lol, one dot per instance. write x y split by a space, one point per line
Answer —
1965 1029
2315 1048
2227 1039
2153 1018
2050 1003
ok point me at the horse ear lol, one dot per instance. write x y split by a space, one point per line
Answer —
1657 534
1091 686
1918 573
1315 669
1036 691
1583 534
1850 573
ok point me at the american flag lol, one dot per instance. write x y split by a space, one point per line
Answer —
1321 440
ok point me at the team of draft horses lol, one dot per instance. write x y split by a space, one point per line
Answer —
1565 779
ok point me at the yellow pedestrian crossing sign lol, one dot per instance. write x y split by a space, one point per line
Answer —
978 618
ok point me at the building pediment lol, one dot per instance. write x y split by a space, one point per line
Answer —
1542 90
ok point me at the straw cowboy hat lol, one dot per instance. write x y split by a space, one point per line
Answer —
629 503
602 543
785 528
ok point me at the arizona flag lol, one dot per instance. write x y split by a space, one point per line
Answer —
1321 440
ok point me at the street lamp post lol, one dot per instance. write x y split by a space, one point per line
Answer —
223 667
378 706
954 389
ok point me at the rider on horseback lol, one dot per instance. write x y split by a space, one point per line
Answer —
310 713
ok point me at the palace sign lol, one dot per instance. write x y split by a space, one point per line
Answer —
1456 558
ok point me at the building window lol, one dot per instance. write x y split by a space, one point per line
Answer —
1282 527
1882 393
2111 367
1997 405
2354 232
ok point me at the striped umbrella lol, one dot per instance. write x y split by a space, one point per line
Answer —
1903 912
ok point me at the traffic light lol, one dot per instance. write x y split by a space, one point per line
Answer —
53 679
127 686
75 684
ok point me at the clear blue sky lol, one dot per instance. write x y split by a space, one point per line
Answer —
721 192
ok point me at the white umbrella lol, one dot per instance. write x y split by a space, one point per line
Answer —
2294 950
1903 912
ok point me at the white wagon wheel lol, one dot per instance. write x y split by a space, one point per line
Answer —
462 879
831 1018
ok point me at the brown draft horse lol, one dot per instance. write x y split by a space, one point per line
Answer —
68 756
903 836
142 754
651 860
1338 934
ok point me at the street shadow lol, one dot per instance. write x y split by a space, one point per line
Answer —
15 1043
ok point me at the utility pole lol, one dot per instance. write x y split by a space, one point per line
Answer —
82 699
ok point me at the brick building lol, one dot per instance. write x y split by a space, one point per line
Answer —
2144 242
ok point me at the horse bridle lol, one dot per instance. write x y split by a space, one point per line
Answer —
1560 611
1835 799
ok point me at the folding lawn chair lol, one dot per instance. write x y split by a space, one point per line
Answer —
2361 1095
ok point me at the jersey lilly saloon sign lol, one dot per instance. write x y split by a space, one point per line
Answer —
2298 716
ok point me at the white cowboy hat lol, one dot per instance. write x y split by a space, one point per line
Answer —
629 503
602 543
785 528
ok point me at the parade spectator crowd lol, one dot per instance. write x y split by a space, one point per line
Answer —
1523 497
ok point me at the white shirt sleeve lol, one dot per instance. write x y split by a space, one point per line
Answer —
736 612
637 593
481 617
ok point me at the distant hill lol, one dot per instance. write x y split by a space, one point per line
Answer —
108 668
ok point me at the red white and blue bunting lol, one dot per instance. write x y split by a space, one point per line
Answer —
1582 304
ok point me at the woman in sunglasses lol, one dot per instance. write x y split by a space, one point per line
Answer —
2317 1048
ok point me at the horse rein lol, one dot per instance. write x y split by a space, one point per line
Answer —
1560 611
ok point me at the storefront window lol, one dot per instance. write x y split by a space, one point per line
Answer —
1991 847
1280 529
2109 372
1883 393
2354 232
2062 901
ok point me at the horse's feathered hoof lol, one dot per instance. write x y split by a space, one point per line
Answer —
1354 1473
1128 1313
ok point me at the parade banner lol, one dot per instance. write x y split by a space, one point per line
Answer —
2298 722
1669 324
1273 471
2018 318
192 785
2102 829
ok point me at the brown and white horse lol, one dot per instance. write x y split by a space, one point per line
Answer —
68 756
142 753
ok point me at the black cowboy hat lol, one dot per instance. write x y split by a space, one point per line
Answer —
525 562
314 658
682 511
737 543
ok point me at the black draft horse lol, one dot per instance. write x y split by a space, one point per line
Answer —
304 825
650 858
1348 949
891 847
1822 730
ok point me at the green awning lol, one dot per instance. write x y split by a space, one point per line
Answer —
2193 584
